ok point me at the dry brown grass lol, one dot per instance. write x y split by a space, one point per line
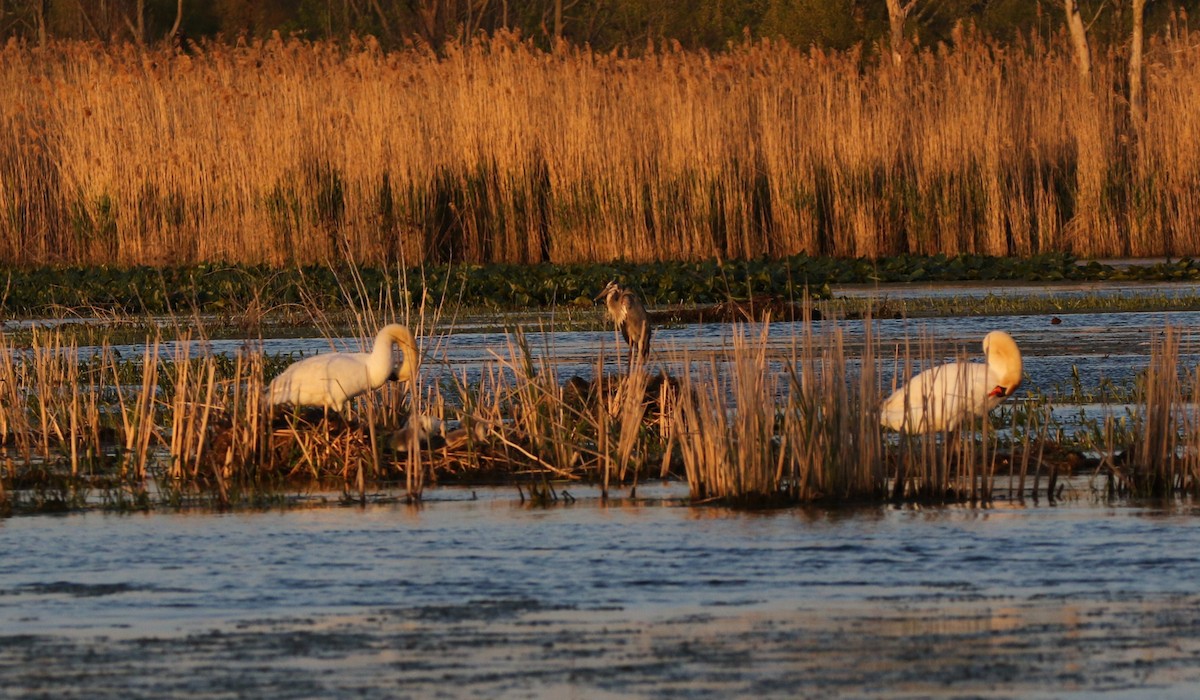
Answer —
69 423
757 425
752 423
284 151
1153 449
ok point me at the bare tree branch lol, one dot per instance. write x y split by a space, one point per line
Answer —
178 19
383 22
138 29
88 20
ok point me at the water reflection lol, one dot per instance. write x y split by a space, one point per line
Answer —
473 596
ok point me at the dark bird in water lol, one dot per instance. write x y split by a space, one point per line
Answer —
584 395
629 316
431 433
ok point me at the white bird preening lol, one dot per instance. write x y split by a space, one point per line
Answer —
331 379
629 316
939 398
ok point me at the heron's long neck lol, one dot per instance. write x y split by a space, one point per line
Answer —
614 307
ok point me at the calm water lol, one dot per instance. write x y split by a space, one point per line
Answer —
474 595
1093 347
484 598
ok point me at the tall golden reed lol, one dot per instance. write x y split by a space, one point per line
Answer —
71 422
284 151
756 425
752 423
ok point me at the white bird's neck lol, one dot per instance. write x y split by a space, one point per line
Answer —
381 362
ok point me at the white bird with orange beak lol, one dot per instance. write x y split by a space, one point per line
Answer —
941 397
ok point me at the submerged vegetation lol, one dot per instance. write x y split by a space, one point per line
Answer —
285 152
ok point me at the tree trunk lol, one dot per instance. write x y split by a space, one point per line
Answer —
897 16
178 20
1083 58
40 9
1135 65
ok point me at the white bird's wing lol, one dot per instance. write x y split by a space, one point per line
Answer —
322 380
938 398
284 387
346 375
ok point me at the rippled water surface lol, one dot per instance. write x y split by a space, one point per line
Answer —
474 595
1088 348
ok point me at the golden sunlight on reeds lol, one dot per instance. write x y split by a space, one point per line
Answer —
283 152
751 423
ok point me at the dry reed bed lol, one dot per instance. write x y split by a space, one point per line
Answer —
285 152
748 424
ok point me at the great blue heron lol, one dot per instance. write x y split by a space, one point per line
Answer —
629 316
939 398
331 379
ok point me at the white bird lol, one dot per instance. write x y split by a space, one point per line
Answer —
331 379
629 316
939 398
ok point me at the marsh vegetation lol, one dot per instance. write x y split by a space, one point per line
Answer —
252 293
288 152
179 225
749 417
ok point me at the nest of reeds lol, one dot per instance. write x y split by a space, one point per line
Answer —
601 420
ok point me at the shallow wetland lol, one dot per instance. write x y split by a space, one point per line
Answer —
525 508
479 591
473 595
